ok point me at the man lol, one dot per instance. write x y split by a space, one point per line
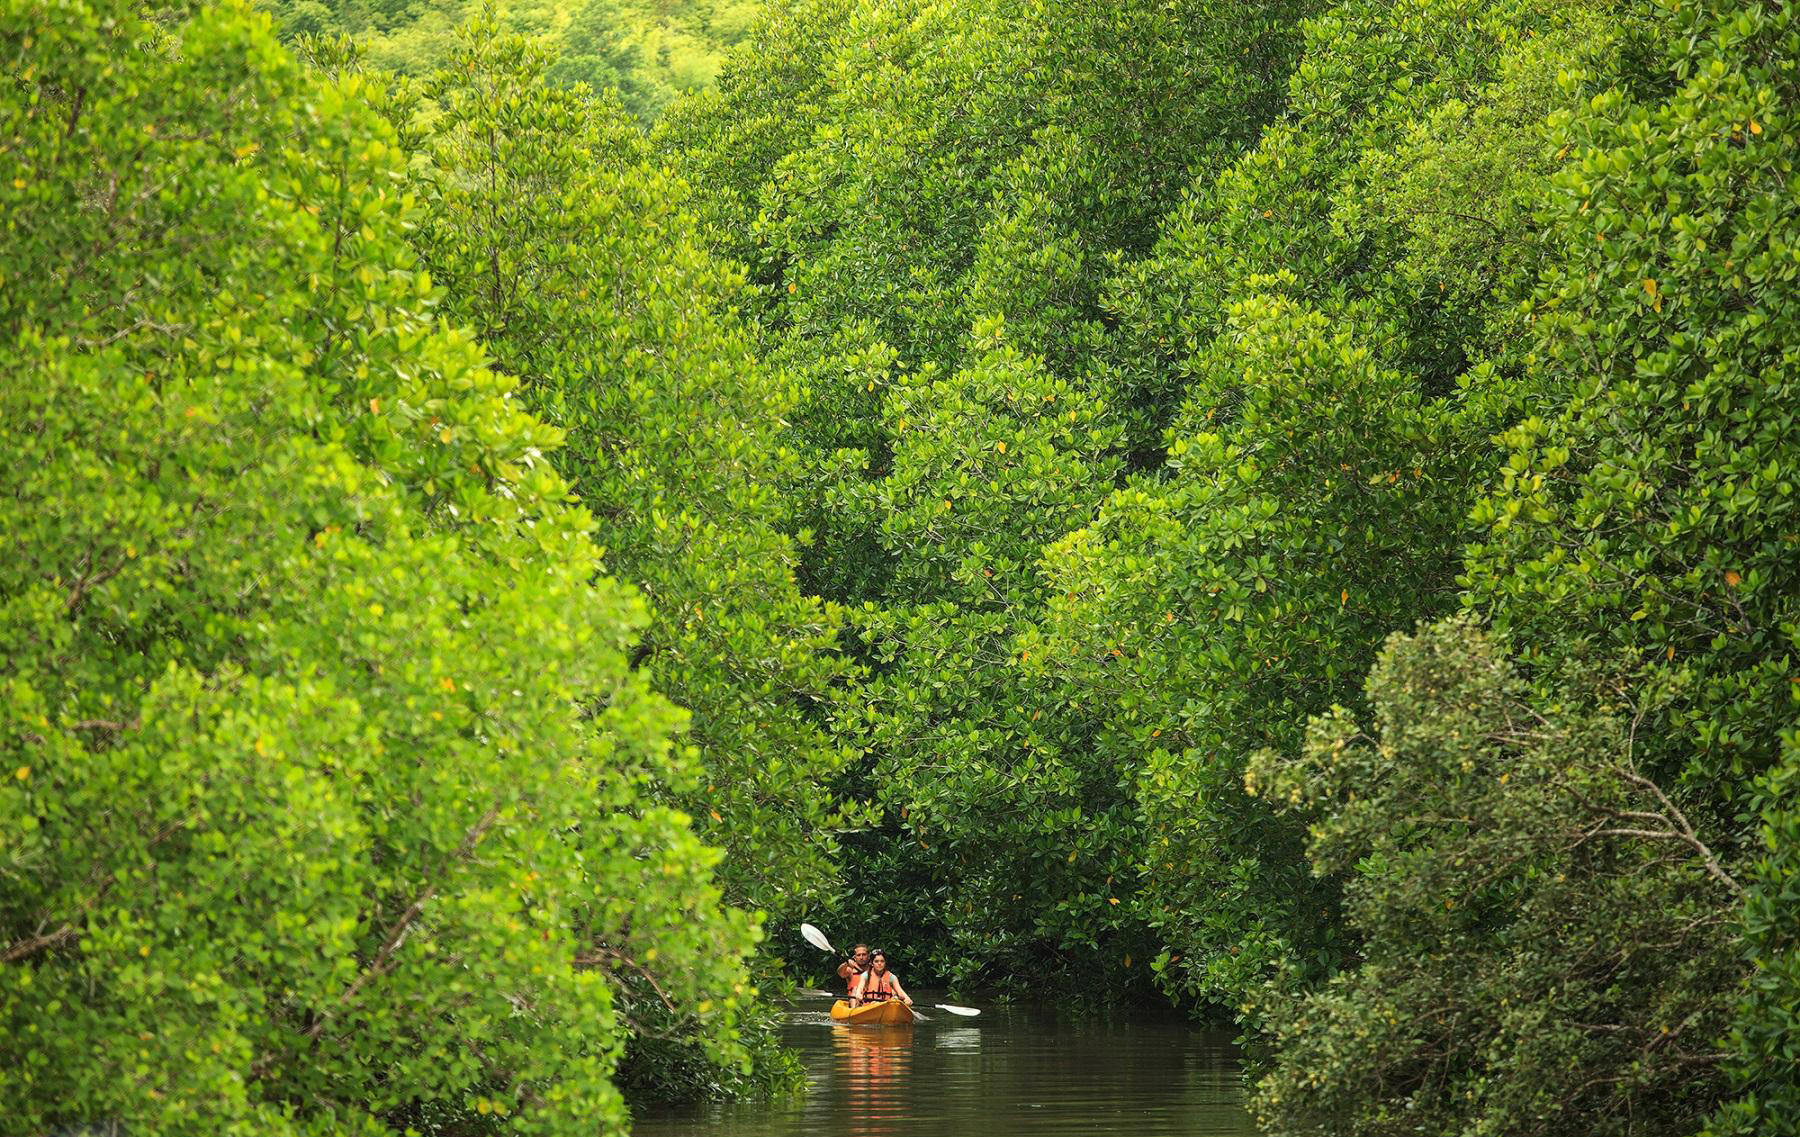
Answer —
851 969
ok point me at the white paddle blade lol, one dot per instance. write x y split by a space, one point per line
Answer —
965 1012
816 938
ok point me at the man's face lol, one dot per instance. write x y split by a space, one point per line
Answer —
861 956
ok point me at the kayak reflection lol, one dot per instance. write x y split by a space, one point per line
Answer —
874 1066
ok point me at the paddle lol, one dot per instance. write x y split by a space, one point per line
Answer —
965 1012
817 939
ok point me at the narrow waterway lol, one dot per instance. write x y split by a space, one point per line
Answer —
1014 1070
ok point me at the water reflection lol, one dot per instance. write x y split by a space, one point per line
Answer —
1014 1071
874 1067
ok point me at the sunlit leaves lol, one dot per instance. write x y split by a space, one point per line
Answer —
335 795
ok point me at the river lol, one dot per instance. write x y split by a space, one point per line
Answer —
1013 1070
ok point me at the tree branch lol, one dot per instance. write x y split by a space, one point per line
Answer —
31 945
603 953
1682 830
114 726
34 944
390 943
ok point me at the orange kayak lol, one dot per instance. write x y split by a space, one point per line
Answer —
890 1013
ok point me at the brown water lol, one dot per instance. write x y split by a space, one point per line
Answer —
1011 1071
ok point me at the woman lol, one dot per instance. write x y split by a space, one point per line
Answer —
878 984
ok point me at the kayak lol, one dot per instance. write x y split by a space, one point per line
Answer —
891 1013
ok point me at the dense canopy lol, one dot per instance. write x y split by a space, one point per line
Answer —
1285 509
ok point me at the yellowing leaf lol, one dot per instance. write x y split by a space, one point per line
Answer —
1732 578
1755 127
1650 287
1000 446
22 773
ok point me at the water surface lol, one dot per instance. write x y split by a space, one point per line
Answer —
1014 1070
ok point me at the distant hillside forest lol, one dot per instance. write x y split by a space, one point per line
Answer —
651 50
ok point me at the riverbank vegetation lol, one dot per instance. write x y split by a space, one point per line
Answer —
1287 509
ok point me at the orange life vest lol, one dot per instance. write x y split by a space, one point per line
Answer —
850 983
879 988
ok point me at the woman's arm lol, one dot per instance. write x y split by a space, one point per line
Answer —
899 990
